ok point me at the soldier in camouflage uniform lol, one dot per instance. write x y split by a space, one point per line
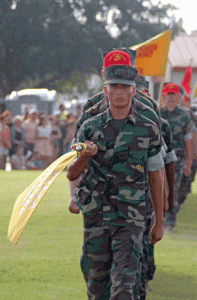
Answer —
180 123
185 186
111 191
148 265
146 111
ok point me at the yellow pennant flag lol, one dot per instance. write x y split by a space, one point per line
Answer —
152 55
194 93
27 201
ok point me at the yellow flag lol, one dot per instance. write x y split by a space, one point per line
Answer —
152 55
194 93
27 201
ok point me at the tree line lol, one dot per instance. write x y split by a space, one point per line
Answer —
56 44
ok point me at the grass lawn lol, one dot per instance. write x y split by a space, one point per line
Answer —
45 262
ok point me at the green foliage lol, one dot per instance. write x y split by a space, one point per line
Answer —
45 262
55 38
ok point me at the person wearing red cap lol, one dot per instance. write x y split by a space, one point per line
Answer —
111 191
180 123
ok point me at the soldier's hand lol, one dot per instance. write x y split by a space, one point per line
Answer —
91 149
73 208
170 203
186 170
156 232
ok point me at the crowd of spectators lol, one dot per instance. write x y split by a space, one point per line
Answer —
34 140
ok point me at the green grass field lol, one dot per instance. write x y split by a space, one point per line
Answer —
45 262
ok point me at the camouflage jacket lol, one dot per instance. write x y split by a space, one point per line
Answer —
114 183
93 100
180 124
167 136
152 101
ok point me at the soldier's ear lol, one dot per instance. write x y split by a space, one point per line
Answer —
102 72
105 90
134 90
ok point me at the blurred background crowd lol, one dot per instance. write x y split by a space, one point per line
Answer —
33 140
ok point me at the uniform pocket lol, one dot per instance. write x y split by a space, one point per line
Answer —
131 204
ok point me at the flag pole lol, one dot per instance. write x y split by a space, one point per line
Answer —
160 91
172 21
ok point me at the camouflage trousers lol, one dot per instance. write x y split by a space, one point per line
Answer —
170 217
184 188
186 182
110 262
148 263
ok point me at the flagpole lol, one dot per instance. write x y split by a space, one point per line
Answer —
160 91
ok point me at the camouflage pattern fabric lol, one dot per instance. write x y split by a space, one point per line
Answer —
166 134
145 257
120 161
93 100
151 267
180 124
144 100
151 100
185 186
112 190
170 217
193 170
110 262
148 263
120 74
144 108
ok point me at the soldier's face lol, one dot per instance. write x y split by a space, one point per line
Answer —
172 98
119 95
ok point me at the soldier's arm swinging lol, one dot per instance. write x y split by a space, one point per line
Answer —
156 189
73 208
188 157
170 175
77 166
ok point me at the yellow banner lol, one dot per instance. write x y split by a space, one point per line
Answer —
194 93
152 55
27 201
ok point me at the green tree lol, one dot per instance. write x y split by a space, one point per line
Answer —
44 42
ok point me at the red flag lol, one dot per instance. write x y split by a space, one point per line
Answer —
186 99
186 81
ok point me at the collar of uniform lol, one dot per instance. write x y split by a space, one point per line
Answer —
176 109
131 117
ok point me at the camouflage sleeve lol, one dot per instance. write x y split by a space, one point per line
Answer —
155 162
170 157
92 101
168 139
155 142
163 151
194 128
88 104
82 134
188 136
188 127
84 116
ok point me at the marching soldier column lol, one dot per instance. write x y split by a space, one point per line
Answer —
97 189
